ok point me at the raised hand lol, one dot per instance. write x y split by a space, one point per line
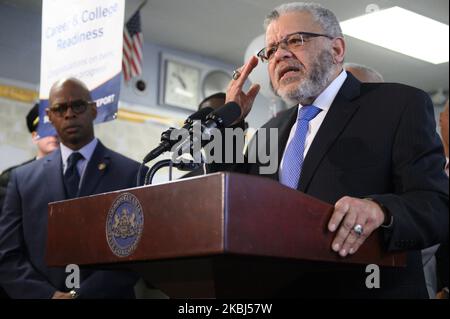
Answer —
235 92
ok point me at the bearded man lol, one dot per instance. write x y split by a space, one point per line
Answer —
370 149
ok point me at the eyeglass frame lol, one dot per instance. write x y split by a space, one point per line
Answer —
62 108
263 57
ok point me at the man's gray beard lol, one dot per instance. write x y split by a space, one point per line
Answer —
320 76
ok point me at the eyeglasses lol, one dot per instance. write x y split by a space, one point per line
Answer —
77 106
290 42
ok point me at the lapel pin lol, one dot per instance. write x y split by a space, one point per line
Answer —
101 166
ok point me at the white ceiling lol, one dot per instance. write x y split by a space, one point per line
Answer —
222 29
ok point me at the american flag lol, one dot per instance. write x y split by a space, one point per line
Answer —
132 47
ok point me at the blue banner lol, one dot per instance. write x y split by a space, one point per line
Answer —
106 96
82 39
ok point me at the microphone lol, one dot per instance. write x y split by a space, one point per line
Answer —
166 143
221 118
199 115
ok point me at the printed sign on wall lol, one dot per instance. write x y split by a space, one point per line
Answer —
82 39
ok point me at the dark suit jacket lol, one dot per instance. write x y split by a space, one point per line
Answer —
23 227
4 180
379 141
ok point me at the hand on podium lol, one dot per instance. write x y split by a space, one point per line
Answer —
357 218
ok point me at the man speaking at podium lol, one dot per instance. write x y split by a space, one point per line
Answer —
371 149
83 166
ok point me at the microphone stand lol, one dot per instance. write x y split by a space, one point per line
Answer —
220 118
167 162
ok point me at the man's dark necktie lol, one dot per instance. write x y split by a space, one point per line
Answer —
71 176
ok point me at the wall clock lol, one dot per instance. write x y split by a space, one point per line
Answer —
181 85
214 82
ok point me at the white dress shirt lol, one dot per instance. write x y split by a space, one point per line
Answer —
323 102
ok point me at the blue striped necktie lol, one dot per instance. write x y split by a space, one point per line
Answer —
293 157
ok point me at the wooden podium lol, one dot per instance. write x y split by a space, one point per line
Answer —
218 235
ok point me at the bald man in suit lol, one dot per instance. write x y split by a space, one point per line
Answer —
82 167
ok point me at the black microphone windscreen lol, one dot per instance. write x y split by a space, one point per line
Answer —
229 113
200 114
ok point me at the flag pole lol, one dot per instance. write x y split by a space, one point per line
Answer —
142 5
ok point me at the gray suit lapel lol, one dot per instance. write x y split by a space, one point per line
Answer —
95 169
52 167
